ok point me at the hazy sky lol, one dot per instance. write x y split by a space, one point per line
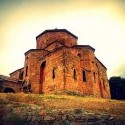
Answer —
98 23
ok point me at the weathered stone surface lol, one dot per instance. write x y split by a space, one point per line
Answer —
1 112
49 118
31 115
119 122
59 64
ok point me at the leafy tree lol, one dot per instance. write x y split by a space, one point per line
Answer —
117 87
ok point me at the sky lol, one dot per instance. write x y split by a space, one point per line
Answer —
98 23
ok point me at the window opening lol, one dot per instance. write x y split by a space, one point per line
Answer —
53 73
94 75
74 74
26 70
84 76
42 72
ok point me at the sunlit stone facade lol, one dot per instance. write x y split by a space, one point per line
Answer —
59 64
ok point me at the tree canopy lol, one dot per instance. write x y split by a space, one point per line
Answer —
117 87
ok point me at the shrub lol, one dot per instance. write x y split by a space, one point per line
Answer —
14 119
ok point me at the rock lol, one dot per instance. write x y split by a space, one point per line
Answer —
71 117
77 123
39 118
77 111
92 118
105 116
49 118
66 122
33 118
111 118
16 110
84 117
42 112
78 116
110 123
29 118
9 108
119 122
1 112
60 113
58 117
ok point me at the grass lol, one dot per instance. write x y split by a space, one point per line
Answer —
51 101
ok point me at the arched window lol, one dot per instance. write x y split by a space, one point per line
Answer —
26 71
42 76
42 72
21 76
53 73
8 90
74 74
84 76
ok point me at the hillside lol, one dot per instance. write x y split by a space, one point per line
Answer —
50 104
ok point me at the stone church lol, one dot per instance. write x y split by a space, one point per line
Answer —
58 63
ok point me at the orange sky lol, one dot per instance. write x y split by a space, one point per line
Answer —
98 23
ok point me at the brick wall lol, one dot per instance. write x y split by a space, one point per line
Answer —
103 80
64 65
63 37
13 85
32 65
15 74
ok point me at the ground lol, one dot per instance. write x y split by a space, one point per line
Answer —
50 102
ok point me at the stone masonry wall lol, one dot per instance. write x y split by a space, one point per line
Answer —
54 61
53 46
12 114
94 75
64 61
85 63
33 63
72 61
13 85
63 37
15 74
103 80
67 64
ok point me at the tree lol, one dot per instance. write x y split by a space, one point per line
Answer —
117 87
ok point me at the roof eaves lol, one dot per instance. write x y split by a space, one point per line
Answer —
16 70
57 30
80 46
101 63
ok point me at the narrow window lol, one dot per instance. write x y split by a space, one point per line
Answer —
21 76
42 72
26 71
84 76
94 75
53 73
74 74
